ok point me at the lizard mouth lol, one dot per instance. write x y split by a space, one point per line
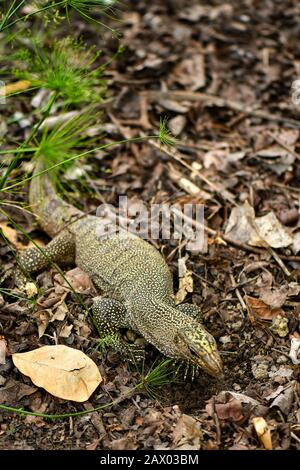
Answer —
210 363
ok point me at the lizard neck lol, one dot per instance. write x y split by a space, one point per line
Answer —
158 320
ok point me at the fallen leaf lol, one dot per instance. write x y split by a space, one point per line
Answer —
15 87
284 399
43 321
65 331
3 350
177 124
187 432
294 351
64 372
259 309
272 231
80 281
263 231
232 410
186 283
276 297
124 443
263 432
60 313
11 234
14 391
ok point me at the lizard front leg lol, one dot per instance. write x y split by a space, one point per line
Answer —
60 250
109 315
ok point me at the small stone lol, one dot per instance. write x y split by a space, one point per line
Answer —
225 339
260 371
237 387
282 359
236 326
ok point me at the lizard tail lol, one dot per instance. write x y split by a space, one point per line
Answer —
52 211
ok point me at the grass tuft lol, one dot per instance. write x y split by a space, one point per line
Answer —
165 135
66 68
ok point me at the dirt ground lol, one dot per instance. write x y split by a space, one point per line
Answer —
223 74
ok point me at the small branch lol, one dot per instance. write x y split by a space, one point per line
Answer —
218 101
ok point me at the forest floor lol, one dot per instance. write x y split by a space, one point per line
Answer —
222 74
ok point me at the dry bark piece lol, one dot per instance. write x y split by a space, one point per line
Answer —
64 372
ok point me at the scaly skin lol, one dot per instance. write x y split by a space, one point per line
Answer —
132 275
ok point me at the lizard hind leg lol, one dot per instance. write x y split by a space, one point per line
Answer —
60 250
109 315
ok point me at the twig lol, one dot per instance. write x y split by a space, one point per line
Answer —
283 145
178 157
293 435
216 420
218 101
239 296
279 261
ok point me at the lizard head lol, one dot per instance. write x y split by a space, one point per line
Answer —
199 347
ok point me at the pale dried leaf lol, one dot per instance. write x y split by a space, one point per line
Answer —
3 350
65 331
295 350
263 432
264 231
60 312
284 400
43 321
64 372
272 231
186 285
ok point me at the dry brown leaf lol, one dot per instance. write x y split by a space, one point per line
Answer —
187 432
263 432
13 391
11 235
232 410
64 372
79 281
259 309
21 85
